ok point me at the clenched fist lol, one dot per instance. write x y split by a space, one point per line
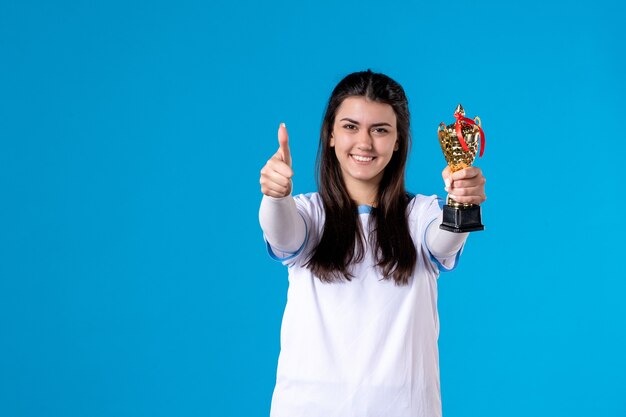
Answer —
465 186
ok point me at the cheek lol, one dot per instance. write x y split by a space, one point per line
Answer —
388 147
338 144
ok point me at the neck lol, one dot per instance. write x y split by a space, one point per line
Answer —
363 194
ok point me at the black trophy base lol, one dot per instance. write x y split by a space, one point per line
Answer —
461 220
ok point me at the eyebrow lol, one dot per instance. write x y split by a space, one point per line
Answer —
356 123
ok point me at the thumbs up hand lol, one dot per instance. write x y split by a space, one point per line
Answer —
276 174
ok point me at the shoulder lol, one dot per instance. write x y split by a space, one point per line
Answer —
309 201
422 210
311 206
309 198
420 203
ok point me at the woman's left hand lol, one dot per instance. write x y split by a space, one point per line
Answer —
465 186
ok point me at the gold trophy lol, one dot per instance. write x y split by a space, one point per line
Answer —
459 142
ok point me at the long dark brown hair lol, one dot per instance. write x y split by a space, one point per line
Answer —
342 242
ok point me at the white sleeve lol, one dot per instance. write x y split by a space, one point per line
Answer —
441 243
282 224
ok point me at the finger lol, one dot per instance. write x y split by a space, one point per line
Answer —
282 188
275 191
276 178
445 174
474 199
469 192
469 172
283 142
276 164
478 181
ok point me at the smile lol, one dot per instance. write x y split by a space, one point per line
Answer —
362 158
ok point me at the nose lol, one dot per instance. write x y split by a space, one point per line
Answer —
364 140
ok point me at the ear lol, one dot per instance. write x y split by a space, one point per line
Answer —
396 146
332 141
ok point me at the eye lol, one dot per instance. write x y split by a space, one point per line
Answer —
380 130
349 126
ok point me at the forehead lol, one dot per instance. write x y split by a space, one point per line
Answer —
365 111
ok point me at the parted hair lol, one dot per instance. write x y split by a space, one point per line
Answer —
343 241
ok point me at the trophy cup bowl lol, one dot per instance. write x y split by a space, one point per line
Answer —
460 153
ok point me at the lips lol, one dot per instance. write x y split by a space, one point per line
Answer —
360 158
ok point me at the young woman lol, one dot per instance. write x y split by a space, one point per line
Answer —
360 328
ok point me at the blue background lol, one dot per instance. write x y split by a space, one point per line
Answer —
133 275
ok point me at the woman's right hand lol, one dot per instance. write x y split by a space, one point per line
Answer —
276 174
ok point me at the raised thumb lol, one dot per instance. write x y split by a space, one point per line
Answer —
283 142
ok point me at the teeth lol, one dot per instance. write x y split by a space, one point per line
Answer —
363 158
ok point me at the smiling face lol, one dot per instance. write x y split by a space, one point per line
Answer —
364 137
